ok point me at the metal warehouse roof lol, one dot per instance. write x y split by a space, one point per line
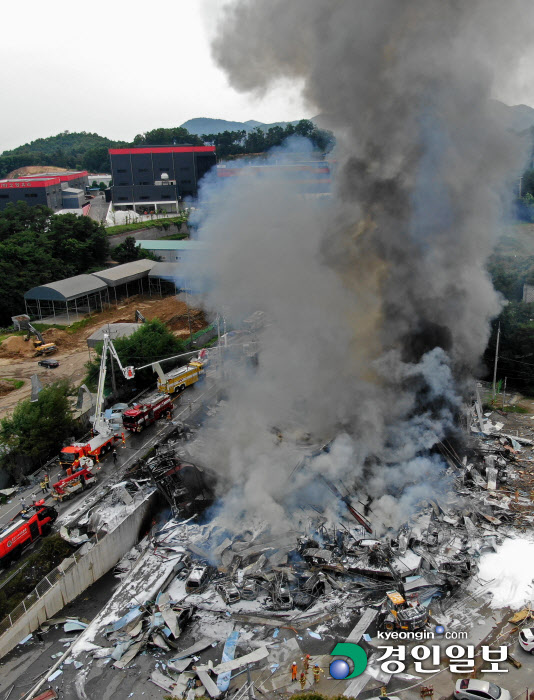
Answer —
114 330
172 245
121 274
67 289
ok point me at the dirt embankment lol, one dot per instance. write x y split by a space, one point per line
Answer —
18 358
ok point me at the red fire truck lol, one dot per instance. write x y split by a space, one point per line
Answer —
26 528
143 414
97 447
73 484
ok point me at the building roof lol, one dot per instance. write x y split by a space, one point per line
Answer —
161 149
172 245
71 190
114 330
121 274
67 289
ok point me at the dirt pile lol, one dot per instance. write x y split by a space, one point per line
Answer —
15 345
6 387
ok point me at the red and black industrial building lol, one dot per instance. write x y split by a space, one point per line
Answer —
53 190
152 178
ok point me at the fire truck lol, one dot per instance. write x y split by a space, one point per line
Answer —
35 522
72 456
146 413
73 484
178 379
104 435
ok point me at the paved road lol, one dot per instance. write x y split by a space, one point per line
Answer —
99 208
136 444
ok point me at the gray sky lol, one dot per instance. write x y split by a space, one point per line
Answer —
118 68
126 66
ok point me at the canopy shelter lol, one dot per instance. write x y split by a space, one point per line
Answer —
122 279
69 297
165 277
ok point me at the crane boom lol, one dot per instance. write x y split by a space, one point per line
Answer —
101 425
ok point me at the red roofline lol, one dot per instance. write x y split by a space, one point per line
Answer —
166 149
22 183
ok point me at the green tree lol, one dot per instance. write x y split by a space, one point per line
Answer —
37 429
152 342
128 251
94 184
37 247
176 135
102 186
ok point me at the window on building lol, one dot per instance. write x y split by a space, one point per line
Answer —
121 170
144 182
4 196
185 182
123 184
144 196
165 196
185 169
30 195
141 170
123 199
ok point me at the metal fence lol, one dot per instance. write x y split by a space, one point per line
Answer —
42 587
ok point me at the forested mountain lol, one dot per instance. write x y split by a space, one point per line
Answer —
73 150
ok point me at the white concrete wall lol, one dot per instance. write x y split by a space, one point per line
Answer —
98 561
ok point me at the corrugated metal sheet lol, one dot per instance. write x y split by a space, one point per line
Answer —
129 272
67 289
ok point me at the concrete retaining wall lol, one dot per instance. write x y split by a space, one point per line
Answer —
147 234
98 561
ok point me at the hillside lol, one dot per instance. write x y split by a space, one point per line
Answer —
206 125
79 150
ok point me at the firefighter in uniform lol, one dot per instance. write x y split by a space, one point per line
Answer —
317 674
302 680
294 672
306 663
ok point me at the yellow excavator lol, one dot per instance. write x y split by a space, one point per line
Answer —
41 348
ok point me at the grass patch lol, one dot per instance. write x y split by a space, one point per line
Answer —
174 237
154 223
515 409
17 383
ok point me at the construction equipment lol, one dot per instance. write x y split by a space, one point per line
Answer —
178 379
39 344
402 615
139 318
143 414
65 488
104 435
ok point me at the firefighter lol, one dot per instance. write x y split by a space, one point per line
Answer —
47 480
43 486
294 672
23 503
302 680
306 663
317 674
115 456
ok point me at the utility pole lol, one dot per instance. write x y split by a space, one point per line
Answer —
496 358
504 393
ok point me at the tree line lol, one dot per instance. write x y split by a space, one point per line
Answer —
86 151
38 247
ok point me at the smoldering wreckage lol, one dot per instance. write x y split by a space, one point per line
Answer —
192 583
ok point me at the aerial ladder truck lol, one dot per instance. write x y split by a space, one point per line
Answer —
79 454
